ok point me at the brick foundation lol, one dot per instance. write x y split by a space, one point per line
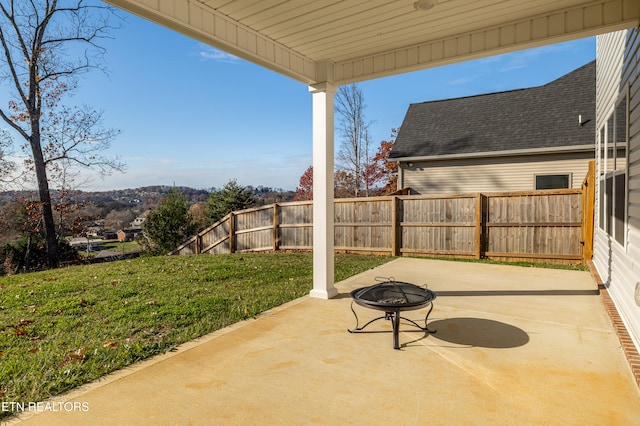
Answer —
630 350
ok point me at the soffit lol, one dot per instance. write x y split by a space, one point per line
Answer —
343 41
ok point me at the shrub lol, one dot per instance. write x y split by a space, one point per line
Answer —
170 224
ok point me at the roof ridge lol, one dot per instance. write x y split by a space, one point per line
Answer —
568 75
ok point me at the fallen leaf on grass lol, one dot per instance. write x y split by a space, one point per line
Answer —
33 350
109 345
78 355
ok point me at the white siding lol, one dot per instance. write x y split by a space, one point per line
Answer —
493 174
619 266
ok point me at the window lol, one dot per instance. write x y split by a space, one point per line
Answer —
552 181
612 161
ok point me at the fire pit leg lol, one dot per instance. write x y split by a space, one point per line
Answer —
426 327
357 328
396 329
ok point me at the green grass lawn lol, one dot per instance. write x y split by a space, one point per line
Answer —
125 247
62 328
113 246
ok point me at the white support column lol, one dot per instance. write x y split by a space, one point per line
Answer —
323 233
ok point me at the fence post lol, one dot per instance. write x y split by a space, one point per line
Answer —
232 245
198 243
588 206
276 223
395 225
480 228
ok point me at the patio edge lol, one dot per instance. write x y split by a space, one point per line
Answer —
629 348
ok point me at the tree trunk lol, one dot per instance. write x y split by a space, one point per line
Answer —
50 236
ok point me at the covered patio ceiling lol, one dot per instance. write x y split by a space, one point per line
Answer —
328 43
345 41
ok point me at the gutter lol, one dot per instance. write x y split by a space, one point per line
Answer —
507 153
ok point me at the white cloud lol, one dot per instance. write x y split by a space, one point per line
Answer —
209 53
523 59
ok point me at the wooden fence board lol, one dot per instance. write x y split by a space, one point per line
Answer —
534 225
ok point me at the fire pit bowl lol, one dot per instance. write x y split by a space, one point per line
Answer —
393 297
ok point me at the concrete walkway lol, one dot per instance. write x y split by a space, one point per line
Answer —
513 346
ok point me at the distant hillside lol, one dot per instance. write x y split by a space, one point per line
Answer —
148 195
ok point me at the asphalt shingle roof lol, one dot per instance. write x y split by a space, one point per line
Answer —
538 117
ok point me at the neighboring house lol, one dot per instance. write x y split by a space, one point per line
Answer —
519 140
617 230
139 221
83 243
125 235
109 234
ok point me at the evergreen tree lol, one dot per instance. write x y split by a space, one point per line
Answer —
231 197
171 223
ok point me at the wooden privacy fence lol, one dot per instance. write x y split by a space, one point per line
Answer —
543 226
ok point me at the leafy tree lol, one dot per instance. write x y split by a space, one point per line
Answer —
304 191
380 170
10 222
199 213
37 40
26 250
171 223
343 185
231 197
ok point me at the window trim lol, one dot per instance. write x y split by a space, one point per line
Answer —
608 220
537 175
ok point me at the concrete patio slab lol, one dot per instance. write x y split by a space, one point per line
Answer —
513 345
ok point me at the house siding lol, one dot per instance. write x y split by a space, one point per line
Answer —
618 67
492 174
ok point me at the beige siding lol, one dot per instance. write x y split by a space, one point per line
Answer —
493 174
619 266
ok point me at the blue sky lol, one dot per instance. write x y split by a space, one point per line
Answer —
194 116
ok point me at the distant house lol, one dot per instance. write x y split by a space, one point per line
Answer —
140 220
109 234
125 235
527 139
83 243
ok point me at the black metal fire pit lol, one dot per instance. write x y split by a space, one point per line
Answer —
393 297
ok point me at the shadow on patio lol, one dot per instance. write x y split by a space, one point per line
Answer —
513 346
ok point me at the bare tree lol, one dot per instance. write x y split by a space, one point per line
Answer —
38 39
119 219
354 129
7 167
